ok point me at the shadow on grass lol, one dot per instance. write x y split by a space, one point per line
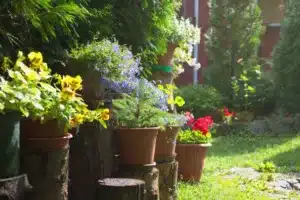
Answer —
288 161
236 145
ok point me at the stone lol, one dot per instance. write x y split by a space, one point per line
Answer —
245 172
292 181
282 184
297 186
258 127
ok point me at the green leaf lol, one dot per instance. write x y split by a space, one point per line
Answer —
24 111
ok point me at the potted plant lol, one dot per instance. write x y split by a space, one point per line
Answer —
182 37
103 63
166 140
61 108
192 146
139 116
19 96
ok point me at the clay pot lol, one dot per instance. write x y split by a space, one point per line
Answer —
35 129
166 143
137 145
49 144
167 58
191 160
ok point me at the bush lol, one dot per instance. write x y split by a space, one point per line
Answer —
286 60
202 100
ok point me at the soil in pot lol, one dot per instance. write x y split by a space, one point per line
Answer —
9 144
137 145
35 129
191 160
166 143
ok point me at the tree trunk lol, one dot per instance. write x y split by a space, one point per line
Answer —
120 189
14 188
147 173
48 173
168 173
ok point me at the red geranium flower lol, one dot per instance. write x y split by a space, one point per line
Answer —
190 118
227 113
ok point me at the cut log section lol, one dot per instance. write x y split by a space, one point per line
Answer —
168 173
147 173
120 189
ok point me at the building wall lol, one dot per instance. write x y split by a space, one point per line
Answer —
272 13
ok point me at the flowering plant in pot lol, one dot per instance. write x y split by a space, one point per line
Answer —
192 146
139 116
103 63
60 108
19 96
166 140
182 37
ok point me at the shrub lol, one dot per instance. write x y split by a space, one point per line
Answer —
286 60
201 99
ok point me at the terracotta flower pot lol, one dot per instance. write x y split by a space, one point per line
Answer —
35 129
166 143
191 160
48 143
167 58
137 145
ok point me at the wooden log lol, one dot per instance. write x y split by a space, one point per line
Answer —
14 188
91 159
48 173
120 189
147 173
168 173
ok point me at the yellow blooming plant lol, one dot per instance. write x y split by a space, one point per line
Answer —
58 96
169 90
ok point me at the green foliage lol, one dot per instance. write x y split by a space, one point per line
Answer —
201 100
193 137
29 88
286 60
234 34
267 167
105 57
139 109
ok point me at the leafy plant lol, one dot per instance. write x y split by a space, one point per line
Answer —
145 107
107 58
234 33
267 167
201 99
198 131
30 88
286 60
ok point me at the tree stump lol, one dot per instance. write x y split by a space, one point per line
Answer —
120 189
47 172
168 173
147 173
14 188
91 159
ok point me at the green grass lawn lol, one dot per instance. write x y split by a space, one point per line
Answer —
237 151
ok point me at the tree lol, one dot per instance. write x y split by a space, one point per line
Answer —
286 59
234 34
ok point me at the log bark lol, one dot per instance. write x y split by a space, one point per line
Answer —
120 189
168 173
91 159
48 173
14 188
147 173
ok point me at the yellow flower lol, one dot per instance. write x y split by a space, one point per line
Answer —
67 94
179 101
79 118
36 59
105 114
71 82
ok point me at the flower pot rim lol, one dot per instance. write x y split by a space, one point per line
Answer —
148 128
201 145
65 137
